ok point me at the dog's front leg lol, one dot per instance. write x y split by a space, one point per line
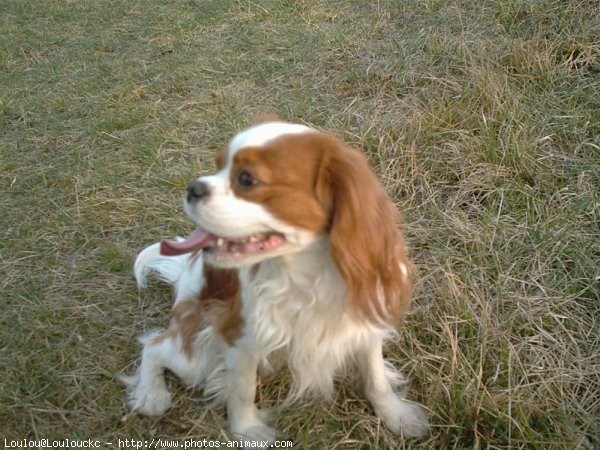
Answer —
400 415
245 420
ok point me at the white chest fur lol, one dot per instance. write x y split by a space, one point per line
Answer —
295 310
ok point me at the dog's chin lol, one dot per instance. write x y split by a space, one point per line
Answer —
235 261
234 244
228 250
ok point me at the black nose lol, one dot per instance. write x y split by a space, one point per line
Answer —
196 190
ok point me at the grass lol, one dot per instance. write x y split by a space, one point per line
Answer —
482 119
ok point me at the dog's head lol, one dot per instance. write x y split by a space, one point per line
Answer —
278 188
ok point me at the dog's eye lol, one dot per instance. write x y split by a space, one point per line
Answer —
245 180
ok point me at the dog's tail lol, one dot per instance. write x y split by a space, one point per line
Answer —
184 272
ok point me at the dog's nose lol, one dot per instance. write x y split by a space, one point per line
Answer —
196 190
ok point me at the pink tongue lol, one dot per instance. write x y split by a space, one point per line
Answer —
195 241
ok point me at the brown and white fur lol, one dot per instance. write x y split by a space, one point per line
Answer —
297 260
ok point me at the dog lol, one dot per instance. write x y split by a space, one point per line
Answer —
296 260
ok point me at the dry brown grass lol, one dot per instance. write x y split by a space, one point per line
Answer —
482 120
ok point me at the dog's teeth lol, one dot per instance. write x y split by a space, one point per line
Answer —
253 238
220 242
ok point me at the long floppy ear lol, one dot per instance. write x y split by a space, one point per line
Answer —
363 231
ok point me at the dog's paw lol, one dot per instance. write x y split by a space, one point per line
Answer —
406 418
152 401
256 434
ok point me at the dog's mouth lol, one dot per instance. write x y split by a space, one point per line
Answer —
200 239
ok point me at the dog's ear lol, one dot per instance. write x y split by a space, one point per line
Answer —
265 118
221 158
363 233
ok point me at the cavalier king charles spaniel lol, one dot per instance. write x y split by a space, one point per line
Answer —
297 260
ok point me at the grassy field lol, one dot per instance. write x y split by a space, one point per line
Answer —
482 119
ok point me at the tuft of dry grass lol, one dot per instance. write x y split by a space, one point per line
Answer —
482 120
